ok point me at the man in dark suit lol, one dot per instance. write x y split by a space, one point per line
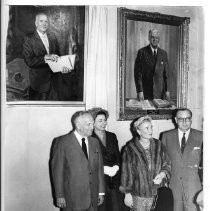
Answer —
77 167
39 47
151 70
184 147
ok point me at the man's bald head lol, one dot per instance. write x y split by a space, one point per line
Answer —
42 22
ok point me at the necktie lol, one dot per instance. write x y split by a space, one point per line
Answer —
45 42
155 55
84 147
183 143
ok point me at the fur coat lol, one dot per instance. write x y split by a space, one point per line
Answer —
136 178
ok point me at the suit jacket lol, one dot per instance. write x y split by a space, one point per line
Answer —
75 178
151 77
111 157
185 166
33 53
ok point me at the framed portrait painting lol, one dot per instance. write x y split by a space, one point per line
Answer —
45 54
152 63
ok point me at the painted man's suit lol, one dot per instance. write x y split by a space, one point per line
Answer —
151 77
75 178
40 74
185 181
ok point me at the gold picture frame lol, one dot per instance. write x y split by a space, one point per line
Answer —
133 27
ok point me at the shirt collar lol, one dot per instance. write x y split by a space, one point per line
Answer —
79 137
40 34
153 49
181 133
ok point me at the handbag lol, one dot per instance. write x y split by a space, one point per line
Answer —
163 201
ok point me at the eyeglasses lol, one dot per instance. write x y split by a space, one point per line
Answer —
187 119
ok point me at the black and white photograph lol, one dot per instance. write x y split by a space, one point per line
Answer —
103 106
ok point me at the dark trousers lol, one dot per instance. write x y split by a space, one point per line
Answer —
48 95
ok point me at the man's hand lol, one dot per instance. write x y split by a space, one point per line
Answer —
168 96
61 202
52 57
158 179
100 199
140 96
128 200
65 70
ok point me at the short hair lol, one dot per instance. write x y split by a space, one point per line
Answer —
136 123
98 111
152 30
183 109
76 116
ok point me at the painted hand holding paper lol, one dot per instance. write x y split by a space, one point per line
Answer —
67 61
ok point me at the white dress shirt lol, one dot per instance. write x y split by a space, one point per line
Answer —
79 138
153 50
180 134
45 40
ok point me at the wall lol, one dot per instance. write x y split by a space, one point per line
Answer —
29 130
29 134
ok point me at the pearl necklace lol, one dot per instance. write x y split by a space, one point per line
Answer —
145 145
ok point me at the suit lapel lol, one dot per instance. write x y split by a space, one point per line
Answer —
92 151
158 57
77 147
190 143
50 42
40 43
149 56
177 144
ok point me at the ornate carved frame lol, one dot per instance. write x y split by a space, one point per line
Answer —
124 14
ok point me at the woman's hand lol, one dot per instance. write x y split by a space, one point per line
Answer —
111 171
158 179
128 200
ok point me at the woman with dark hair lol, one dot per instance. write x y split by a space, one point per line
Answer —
113 200
145 166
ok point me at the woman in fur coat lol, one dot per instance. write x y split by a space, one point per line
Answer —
145 166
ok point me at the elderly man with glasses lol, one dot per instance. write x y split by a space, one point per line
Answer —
184 147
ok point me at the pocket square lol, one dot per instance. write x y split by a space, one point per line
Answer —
196 148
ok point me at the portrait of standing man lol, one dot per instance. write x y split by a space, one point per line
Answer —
39 47
44 37
151 70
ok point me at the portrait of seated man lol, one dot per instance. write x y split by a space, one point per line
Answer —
151 70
